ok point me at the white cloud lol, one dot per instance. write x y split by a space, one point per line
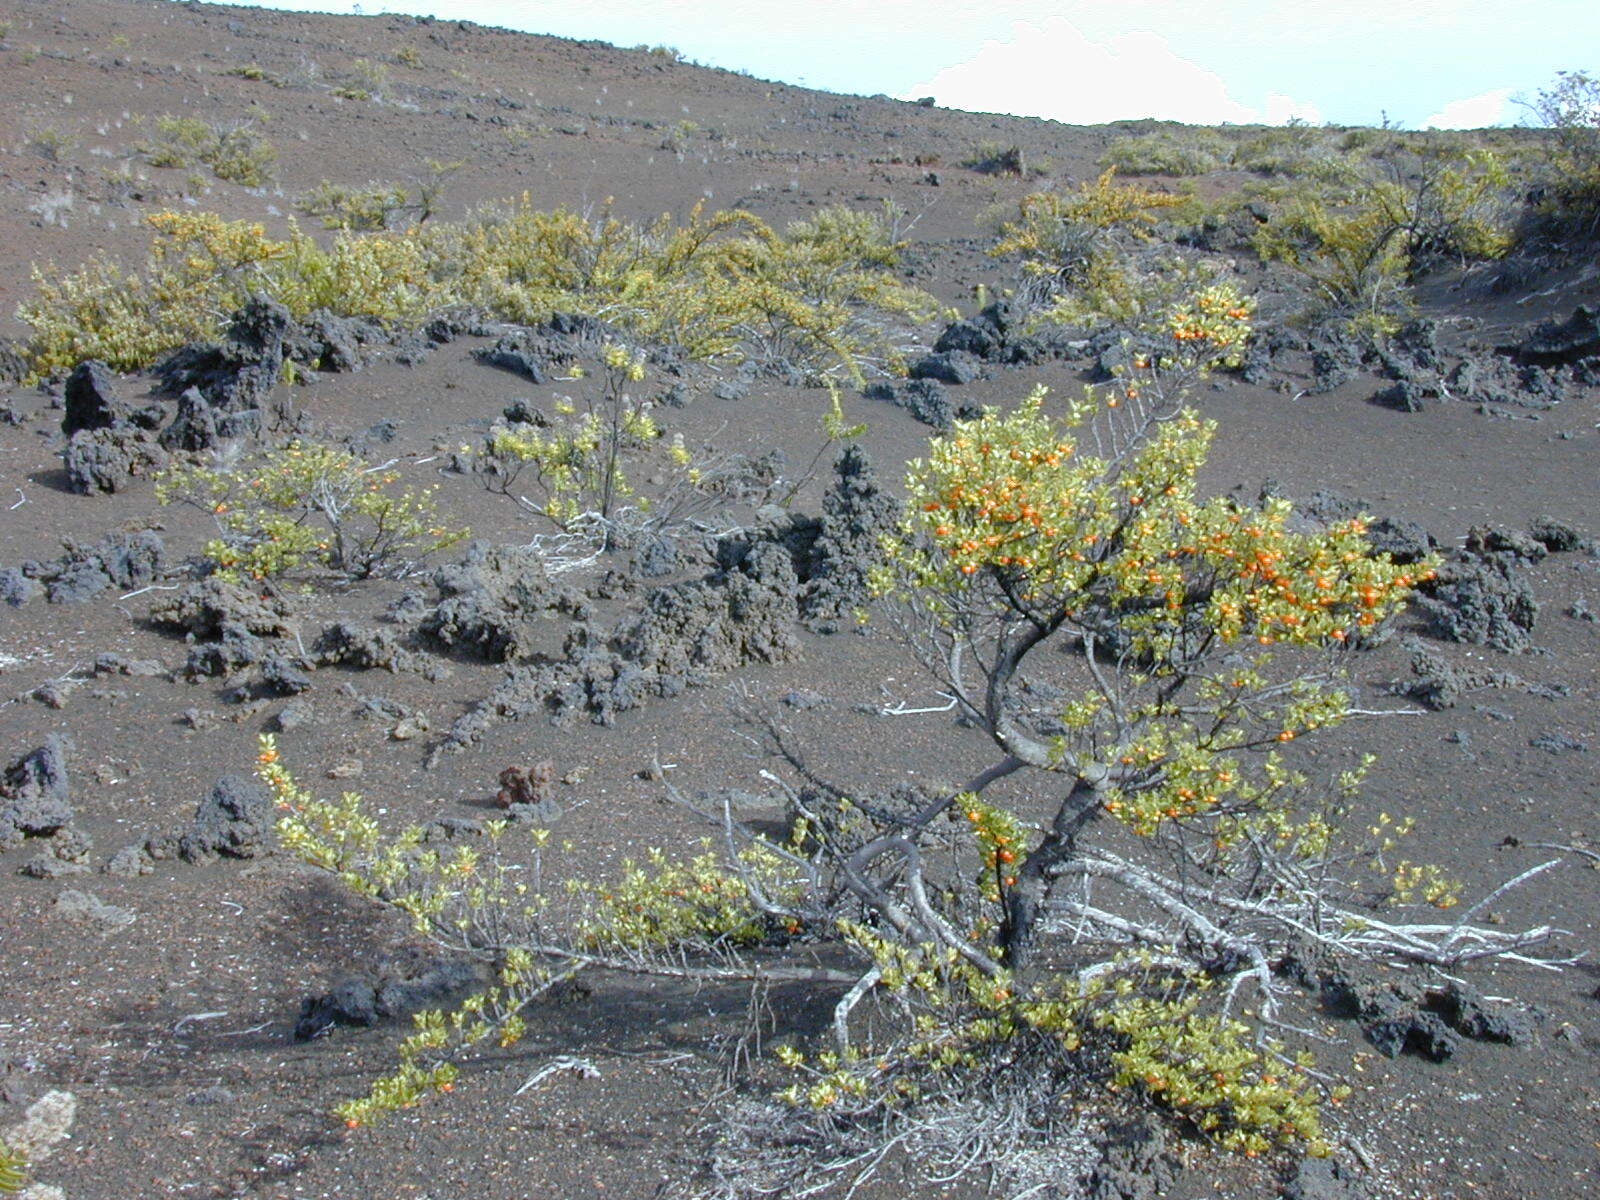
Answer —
1052 70
1475 112
1280 109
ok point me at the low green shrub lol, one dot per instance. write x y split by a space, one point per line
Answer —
49 143
1360 244
372 206
1570 108
575 463
371 77
235 153
996 158
1075 241
379 206
301 503
200 269
1294 150
255 72
822 296
1181 151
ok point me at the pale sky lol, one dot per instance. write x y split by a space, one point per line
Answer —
1420 62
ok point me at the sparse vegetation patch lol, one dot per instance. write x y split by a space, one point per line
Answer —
235 153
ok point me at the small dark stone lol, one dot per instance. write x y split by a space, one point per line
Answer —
1486 540
925 400
1323 1179
1557 743
1555 536
294 715
397 989
108 459
1485 601
953 366
1135 1164
34 793
1404 396
1423 1033
282 676
214 1096
194 424
1551 343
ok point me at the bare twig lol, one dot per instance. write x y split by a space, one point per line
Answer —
580 1067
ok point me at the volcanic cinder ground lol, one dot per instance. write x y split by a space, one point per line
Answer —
174 1028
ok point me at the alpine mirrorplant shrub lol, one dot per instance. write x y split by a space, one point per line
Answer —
199 268
996 158
49 143
255 73
821 295
46 1123
457 896
302 503
13 1168
379 206
1177 841
1295 149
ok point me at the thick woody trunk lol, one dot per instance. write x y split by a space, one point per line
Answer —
1025 901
